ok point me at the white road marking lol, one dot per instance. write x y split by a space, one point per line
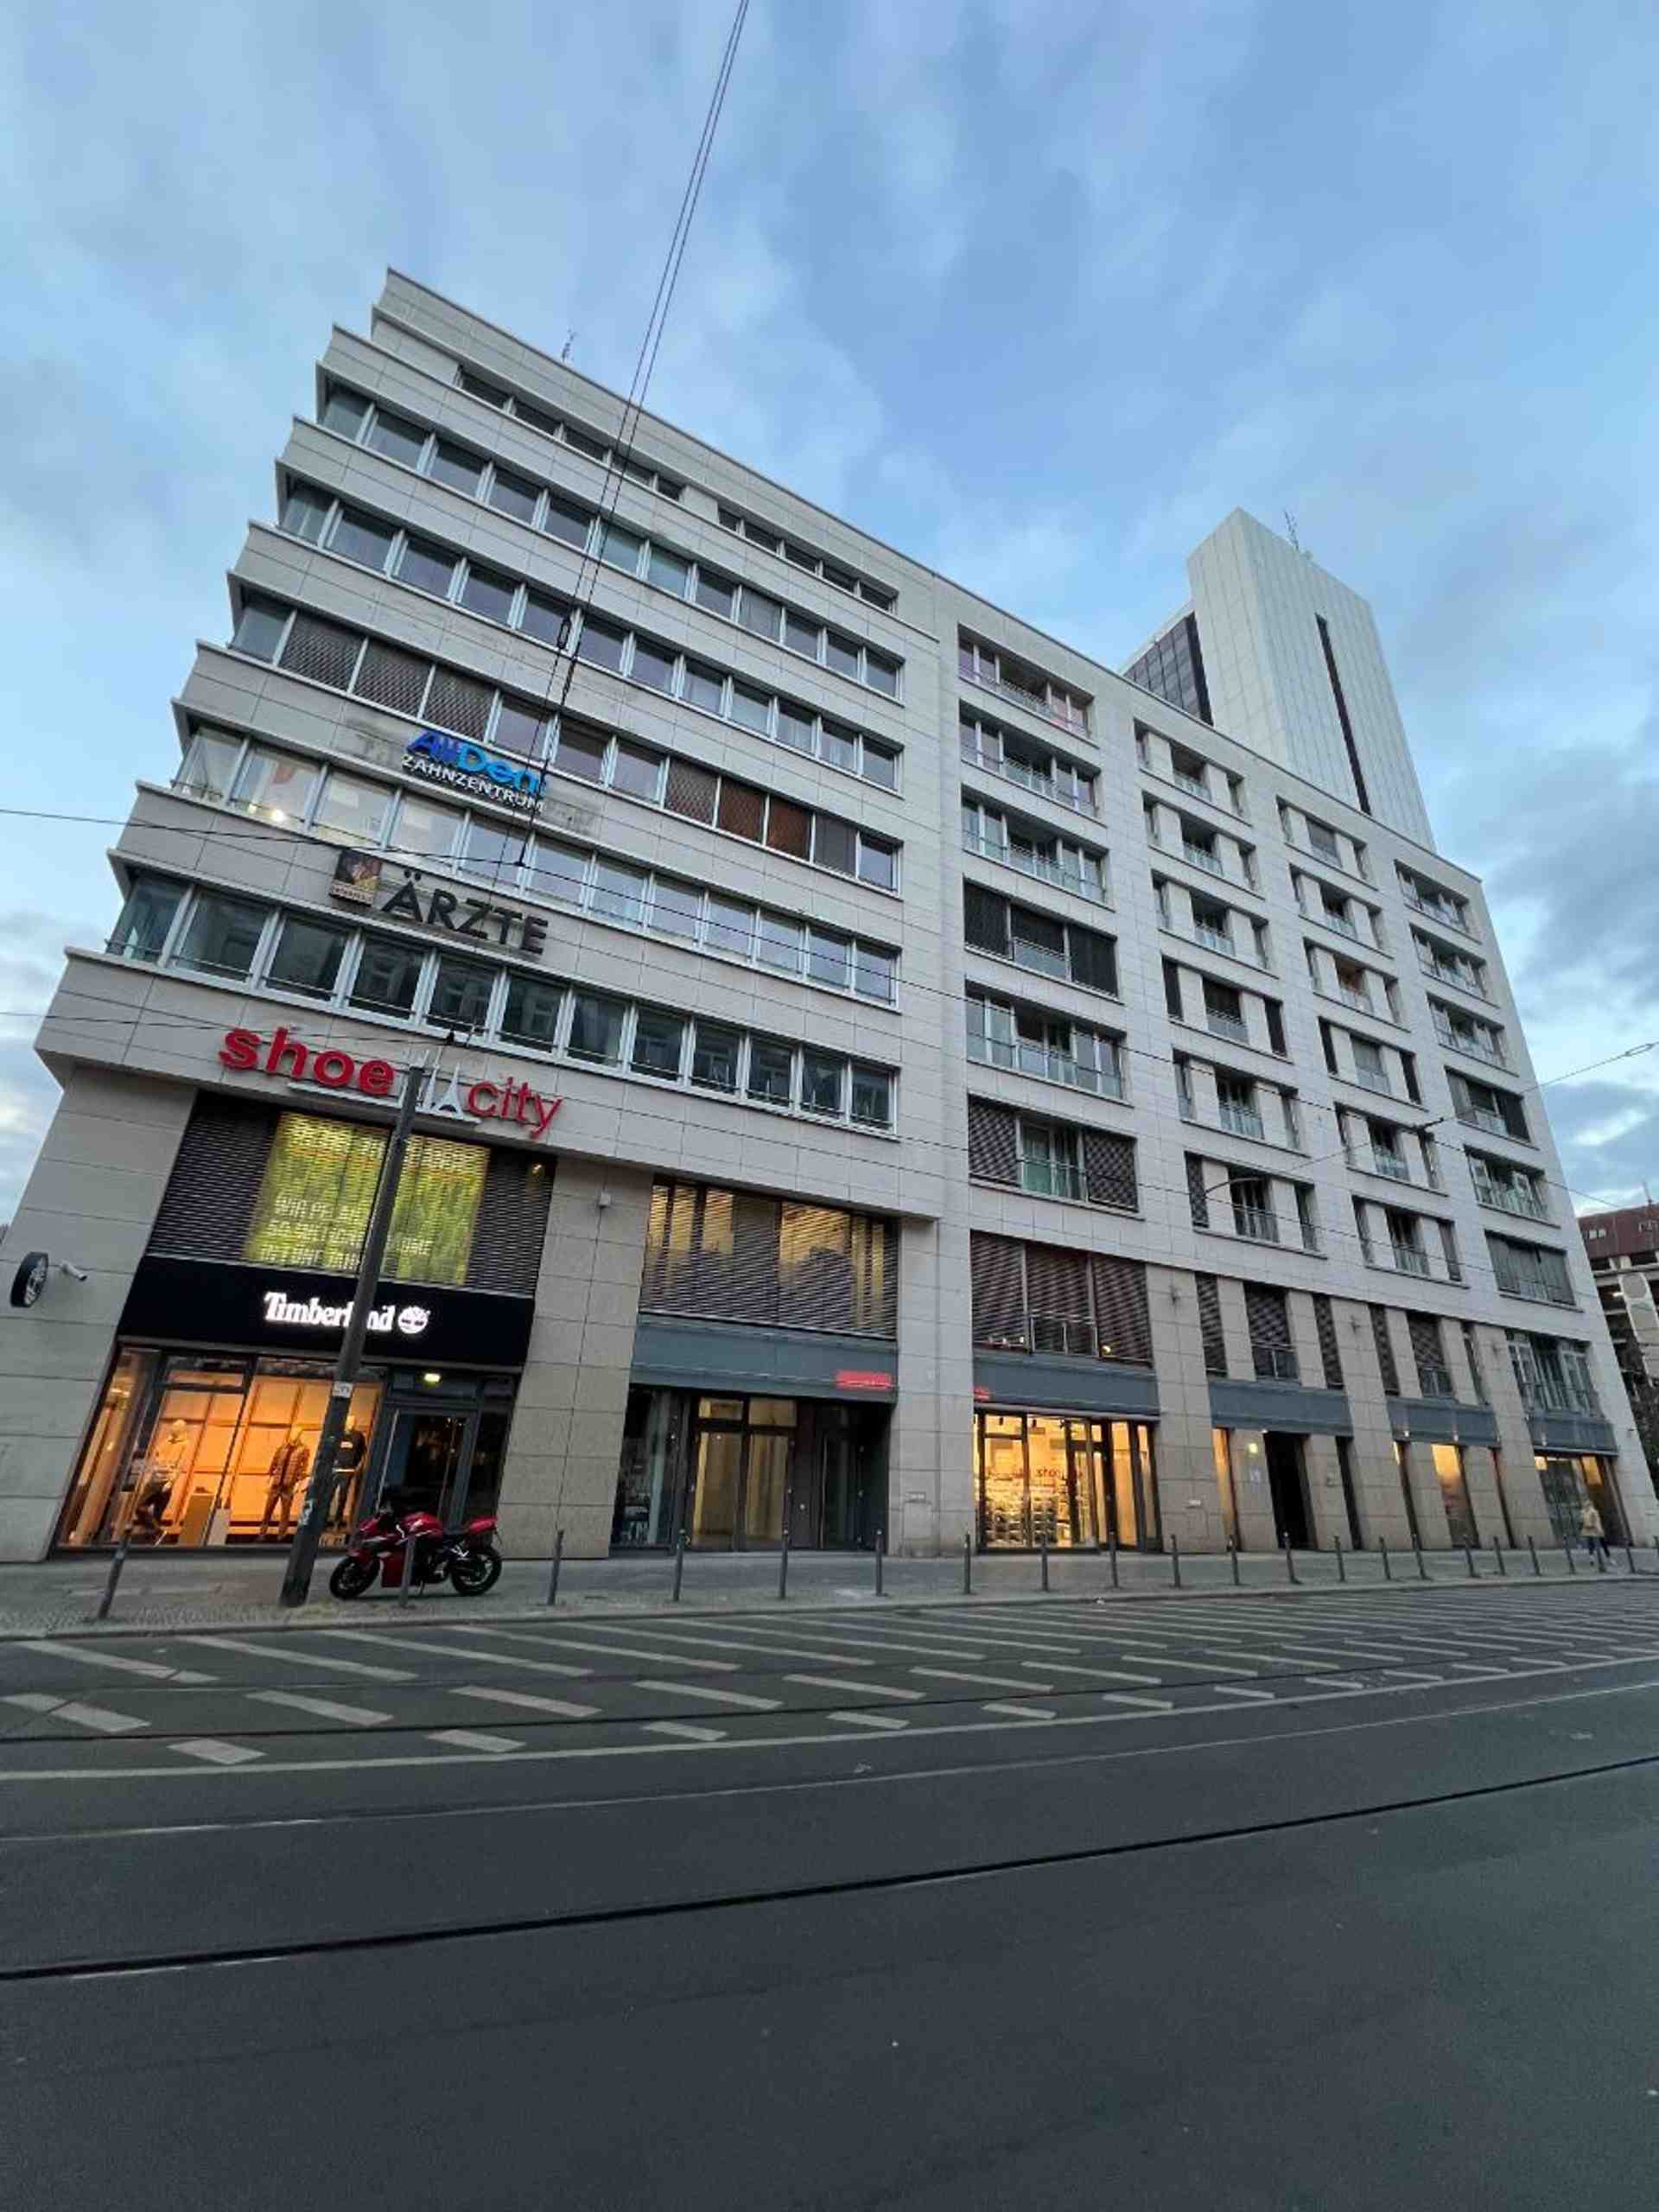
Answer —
323 1707
1095 1673
750 1646
302 1658
84 1716
562 1707
1237 1690
870 1719
865 1689
474 1739
457 1650
687 1730
980 1681
1402 1675
1187 1666
1152 1704
112 1659
616 1651
1023 1712
723 1697
215 1753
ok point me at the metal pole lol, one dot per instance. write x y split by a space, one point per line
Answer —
406 1578
320 1492
1497 1554
1469 1561
1629 1561
880 1537
116 1565
1042 1550
783 1554
1290 1562
1175 1556
1232 1547
1342 1566
679 1565
1572 1565
1601 1556
1387 1569
1533 1548
1422 1564
558 1555
967 1565
1114 1552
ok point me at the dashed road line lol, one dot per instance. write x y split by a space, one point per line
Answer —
114 1660
214 1752
872 1719
284 1652
360 1716
1187 1666
980 1681
621 1651
1022 1712
721 1697
84 1716
1127 1697
689 1731
475 1740
865 1688
458 1651
561 1707
1095 1673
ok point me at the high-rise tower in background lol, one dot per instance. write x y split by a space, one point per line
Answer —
1276 652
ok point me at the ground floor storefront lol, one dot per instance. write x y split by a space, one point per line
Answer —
1066 1481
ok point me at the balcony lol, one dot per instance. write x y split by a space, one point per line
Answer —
1038 959
1051 1178
1257 1224
1482 1117
1547 1394
1435 911
1384 1163
1202 856
1373 1079
1048 1063
1195 785
1242 1121
1035 781
1338 922
1226 1025
1052 706
1322 842
1434 1381
1409 1260
1358 1000
1033 863
1512 1198
1218 940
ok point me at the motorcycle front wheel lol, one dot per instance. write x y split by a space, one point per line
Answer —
474 1573
352 1577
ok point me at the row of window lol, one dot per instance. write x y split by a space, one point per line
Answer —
1445 964
1213 924
284 788
580 440
998 670
803 557
1250 1197
1066 951
540 506
1530 1271
1029 1041
1019 842
1220 1007
734 1255
409 684
1041 1298
1199 845
1190 772
999 752
1401 1243
246 940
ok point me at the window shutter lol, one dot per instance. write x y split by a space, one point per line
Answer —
1094 959
1434 1377
815 1279
875 1275
992 1142
1123 1325
1330 1357
392 679
1209 1329
726 1255
997 1271
690 792
1196 1192
985 920
208 1204
321 651
512 1225
1108 1168
788 828
1173 991
1268 1313
1058 1286
742 810
1385 1350
457 702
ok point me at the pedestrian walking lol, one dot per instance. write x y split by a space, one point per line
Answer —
1589 1527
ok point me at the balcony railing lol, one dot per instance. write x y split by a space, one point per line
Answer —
1461 979
1310 1236
1242 1121
1436 913
1357 999
1035 864
1482 1117
1051 1178
1273 1366
1512 1200
1373 1079
1409 1259
1038 958
1549 1395
1434 1380
1323 844
1226 1025
1218 940
1338 922
1029 779
1473 1043
1383 1163
1256 1222
1051 707
1201 857
1196 784
1047 1062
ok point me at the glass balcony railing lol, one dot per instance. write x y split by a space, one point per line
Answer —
1218 940
1357 999
1512 1198
1051 1178
1339 922
1201 857
1052 706
1409 1259
1040 959
1033 863
1242 1121
1047 1062
1196 784
1482 1117
1062 791
1226 1025
1256 1222
1373 1079
1390 1164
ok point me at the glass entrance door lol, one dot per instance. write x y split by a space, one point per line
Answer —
425 1460
742 1451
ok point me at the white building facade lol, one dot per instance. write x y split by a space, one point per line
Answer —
882 1073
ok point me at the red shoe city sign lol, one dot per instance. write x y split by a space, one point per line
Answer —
244 1052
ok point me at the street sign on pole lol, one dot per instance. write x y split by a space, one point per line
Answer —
319 1494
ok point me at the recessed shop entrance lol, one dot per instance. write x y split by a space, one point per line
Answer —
440 1454
1288 1487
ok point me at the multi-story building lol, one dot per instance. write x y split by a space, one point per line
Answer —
878 1065
1623 1249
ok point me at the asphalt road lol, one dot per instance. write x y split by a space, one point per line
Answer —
1329 1901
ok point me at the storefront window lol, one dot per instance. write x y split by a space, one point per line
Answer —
314 1200
1065 1480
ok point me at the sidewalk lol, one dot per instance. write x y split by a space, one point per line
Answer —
231 1591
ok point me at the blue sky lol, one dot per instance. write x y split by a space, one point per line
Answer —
1039 289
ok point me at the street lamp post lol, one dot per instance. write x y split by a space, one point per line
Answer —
319 1493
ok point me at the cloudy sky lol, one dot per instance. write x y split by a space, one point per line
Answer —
1039 289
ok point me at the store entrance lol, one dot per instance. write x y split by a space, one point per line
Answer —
444 1460
1064 1481
1288 1485
729 1470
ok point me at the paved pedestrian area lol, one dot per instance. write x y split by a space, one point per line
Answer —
416 1691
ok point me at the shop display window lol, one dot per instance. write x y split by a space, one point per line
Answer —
318 1189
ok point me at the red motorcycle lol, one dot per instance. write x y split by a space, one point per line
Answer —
401 1541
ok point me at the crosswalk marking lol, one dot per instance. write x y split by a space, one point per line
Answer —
1258 1697
84 1716
618 1651
283 1652
1094 1673
1187 1666
561 1706
872 1719
980 1681
865 1688
324 1707
1022 1711
688 1729
458 1651
215 1753
113 1659
721 1697
475 1740
758 1644
1128 1697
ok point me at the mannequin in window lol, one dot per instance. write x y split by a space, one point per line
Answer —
155 1487
351 1452
288 1473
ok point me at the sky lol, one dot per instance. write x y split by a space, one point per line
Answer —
1039 290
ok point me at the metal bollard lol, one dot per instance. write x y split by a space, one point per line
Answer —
782 1558
967 1566
1042 1550
1388 1566
1114 1553
1290 1562
1342 1566
116 1565
1497 1554
880 1535
1571 1564
679 1565
406 1579
1533 1548
1175 1556
558 1556
1469 1561
1601 1559
1629 1561
1232 1547
1422 1564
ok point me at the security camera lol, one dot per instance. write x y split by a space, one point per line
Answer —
80 1274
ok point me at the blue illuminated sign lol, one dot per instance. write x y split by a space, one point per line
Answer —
445 760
